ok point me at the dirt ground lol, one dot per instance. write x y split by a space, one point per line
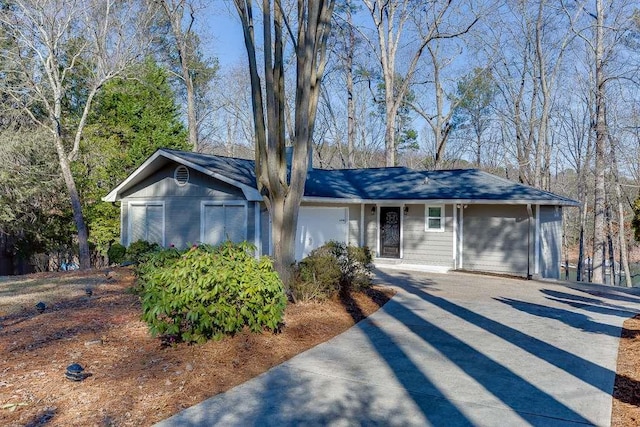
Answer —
133 381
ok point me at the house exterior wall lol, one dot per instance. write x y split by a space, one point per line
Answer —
550 241
433 248
495 239
182 204
371 227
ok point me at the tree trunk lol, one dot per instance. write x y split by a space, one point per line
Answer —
76 206
351 108
601 133
612 258
624 255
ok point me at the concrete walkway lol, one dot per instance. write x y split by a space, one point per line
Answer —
447 350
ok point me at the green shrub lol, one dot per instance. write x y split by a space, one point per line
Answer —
332 268
137 250
116 253
207 292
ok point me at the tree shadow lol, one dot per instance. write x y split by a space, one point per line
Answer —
570 318
585 370
592 304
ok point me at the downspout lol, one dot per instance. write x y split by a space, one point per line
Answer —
530 213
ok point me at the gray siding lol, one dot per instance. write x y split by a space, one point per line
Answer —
161 184
371 228
427 247
495 239
182 204
550 241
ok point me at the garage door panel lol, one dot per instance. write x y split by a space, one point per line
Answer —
317 226
495 240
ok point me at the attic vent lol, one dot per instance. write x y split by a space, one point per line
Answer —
181 175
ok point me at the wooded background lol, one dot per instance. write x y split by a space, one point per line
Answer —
546 93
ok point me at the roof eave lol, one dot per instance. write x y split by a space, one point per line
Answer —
352 200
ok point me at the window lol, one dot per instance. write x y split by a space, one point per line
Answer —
146 222
223 221
434 218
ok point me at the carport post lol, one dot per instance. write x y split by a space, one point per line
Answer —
530 213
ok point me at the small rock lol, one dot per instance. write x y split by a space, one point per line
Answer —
188 367
167 382
93 342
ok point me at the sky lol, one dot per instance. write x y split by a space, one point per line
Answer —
220 28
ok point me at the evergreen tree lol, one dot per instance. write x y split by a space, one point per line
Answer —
131 119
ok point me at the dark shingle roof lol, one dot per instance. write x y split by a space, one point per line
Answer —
395 183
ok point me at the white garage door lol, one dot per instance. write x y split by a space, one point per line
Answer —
316 226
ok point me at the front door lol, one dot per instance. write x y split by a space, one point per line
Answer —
390 232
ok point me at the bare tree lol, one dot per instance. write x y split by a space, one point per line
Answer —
59 45
431 21
283 192
183 34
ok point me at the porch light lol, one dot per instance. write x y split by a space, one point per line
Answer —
41 307
373 210
74 372
406 210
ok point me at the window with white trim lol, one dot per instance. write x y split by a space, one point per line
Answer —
223 221
146 222
434 218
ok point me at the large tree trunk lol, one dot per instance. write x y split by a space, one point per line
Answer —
283 191
599 233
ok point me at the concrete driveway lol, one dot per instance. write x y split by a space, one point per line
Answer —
448 350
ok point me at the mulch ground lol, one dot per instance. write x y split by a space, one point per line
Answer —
626 391
132 380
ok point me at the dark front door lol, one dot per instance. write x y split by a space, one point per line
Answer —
390 232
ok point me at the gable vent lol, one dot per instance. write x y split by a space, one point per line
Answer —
181 175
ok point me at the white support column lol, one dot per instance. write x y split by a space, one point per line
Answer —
257 229
378 230
455 235
536 267
401 230
461 241
362 225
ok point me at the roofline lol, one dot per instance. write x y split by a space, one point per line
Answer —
251 194
335 200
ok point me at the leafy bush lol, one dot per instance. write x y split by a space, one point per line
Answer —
332 268
116 253
206 292
137 250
